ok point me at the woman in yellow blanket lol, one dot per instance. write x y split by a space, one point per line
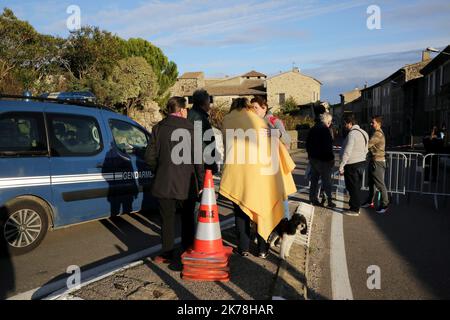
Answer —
257 175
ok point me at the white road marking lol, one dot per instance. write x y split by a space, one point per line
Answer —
56 289
340 281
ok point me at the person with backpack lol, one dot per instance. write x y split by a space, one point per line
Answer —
353 162
377 166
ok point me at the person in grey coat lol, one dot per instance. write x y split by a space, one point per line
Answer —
353 162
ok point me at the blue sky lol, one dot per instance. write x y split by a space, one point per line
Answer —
326 39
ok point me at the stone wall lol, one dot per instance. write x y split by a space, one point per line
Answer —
148 116
302 88
224 102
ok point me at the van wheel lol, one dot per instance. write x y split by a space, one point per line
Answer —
24 224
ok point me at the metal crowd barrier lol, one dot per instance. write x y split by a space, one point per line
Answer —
411 172
413 180
435 176
395 174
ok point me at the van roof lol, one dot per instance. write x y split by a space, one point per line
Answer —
57 101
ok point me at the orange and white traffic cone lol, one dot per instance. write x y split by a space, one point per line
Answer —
208 259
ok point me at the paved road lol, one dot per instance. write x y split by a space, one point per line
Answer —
410 244
87 245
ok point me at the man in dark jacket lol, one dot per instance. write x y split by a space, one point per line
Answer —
178 180
199 116
319 145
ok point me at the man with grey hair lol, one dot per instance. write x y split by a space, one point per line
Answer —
319 145
199 115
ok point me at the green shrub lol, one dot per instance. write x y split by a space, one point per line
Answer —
289 105
295 122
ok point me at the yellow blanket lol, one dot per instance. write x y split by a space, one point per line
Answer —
259 194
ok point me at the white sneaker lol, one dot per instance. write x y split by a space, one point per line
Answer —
351 213
382 210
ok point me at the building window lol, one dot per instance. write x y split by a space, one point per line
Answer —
441 78
282 98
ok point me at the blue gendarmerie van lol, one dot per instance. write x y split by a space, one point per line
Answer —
64 163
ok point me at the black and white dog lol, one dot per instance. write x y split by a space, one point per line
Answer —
285 232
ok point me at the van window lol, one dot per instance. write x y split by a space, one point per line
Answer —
129 138
22 134
74 135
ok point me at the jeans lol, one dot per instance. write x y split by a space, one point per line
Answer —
353 174
243 231
320 169
376 179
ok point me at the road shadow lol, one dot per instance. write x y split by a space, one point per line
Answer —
289 292
422 236
181 291
133 239
249 277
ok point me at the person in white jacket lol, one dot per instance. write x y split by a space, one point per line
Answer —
353 162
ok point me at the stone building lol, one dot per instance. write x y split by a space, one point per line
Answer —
351 103
188 83
304 89
277 88
436 90
387 98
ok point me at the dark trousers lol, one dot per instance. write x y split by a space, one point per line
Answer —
353 174
243 231
376 171
320 169
168 209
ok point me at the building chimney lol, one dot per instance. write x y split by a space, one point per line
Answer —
426 55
